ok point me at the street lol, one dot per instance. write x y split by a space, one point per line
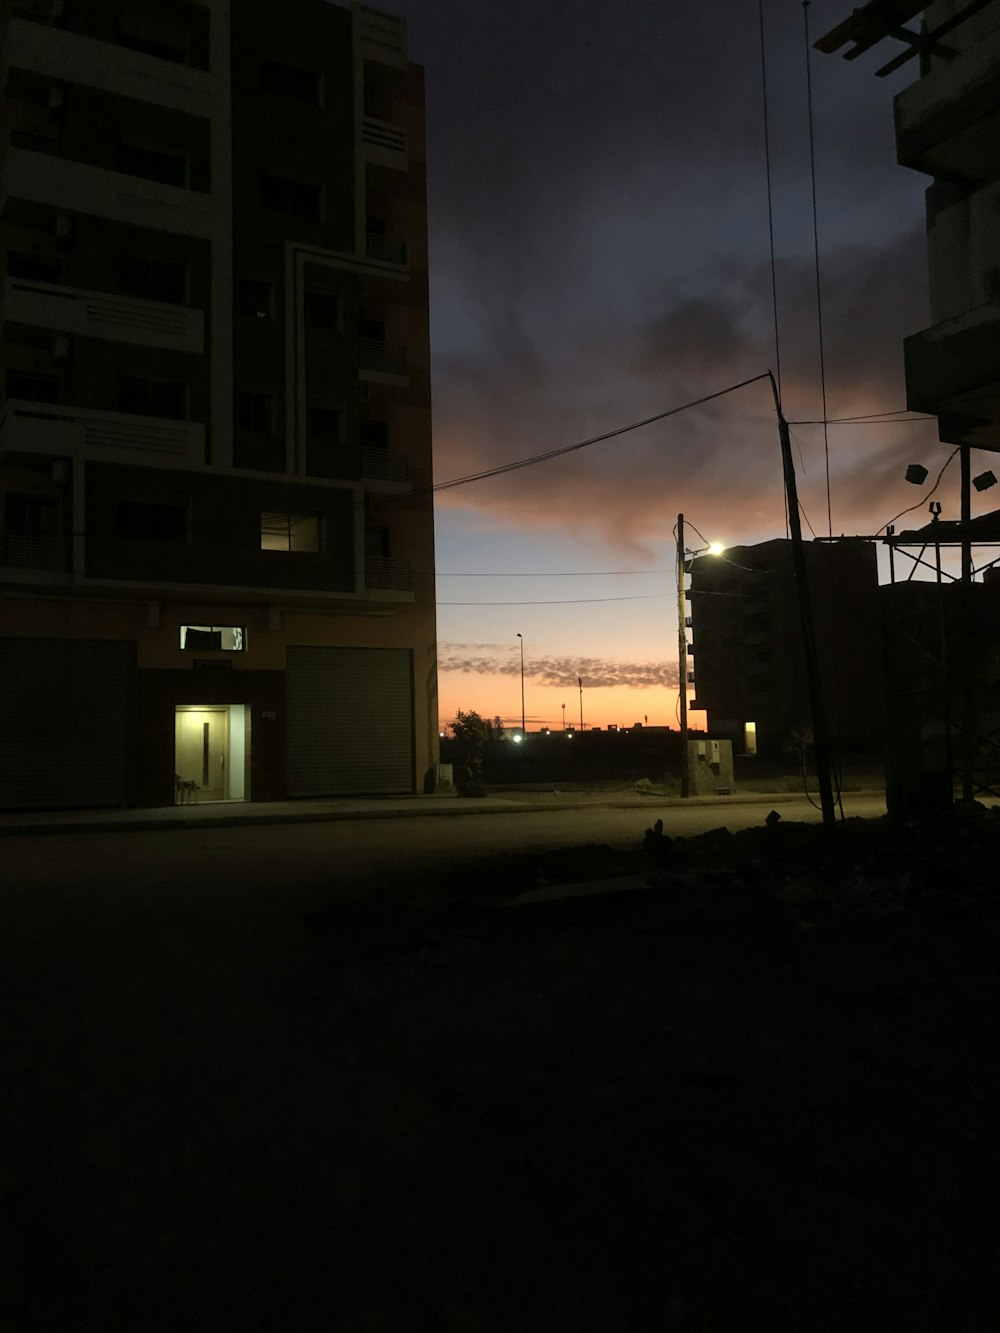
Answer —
224 863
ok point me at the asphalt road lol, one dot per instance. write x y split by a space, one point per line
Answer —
223 863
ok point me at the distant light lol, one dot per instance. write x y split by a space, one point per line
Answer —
517 738
716 548
569 735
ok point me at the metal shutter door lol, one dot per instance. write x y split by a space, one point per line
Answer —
67 723
350 721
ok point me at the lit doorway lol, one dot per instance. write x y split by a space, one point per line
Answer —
212 750
750 738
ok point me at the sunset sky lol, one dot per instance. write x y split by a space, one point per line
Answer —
599 254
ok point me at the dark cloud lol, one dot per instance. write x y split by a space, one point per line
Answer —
596 673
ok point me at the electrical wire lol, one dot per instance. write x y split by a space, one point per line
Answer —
819 291
557 574
923 499
770 196
594 439
569 601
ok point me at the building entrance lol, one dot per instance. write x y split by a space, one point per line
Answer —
211 750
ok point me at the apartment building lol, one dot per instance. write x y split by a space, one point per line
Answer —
749 662
216 558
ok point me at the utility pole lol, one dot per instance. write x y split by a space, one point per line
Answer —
579 681
821 740
521 641
682 657
968 704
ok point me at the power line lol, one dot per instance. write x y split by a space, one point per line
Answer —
555 574
923 498
570 601
770 202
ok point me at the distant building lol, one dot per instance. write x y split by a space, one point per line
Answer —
216 550
746 644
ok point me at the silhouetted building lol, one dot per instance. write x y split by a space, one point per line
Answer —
747 650
215 448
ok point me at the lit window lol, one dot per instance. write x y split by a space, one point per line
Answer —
227 638
290 532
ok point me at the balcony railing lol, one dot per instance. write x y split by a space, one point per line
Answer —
383 143
49 552
382 358
388 575
102 315
51 429
385 250
384 465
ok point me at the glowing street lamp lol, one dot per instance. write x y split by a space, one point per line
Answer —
521 641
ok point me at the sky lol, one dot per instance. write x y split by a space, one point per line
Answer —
599 254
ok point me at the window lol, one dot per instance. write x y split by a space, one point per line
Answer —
226 638
31 515
31 387
256 298
300 85
295 198
33 267
290 532
326 424
152 164
144 520
153 279
162 34
373 329
152 398
324 310
375 434
255 413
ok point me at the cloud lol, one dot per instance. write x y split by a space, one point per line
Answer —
596 673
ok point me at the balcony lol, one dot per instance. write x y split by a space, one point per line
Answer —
67 57
50 553
37 175
952 372
102 315
113 437
385 465
384 250
383 143
382 37
384 574
382 363
948 122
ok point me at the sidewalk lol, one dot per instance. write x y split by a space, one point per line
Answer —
220 814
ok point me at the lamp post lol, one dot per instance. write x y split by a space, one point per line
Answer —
564 717
521 641
579 681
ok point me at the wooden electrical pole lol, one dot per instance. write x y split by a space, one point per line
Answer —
682 657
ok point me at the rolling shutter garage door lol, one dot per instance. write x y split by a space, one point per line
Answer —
350 721
67 723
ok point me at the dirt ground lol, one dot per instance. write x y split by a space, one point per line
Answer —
757 1087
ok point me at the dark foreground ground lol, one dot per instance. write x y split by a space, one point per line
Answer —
762 1093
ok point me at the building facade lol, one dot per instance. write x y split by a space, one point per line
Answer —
216 575
948 126
749 664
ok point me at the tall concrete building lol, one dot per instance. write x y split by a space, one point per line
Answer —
215 448
948 126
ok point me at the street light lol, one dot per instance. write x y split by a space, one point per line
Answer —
521 641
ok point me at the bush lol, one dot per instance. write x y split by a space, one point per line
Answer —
473 734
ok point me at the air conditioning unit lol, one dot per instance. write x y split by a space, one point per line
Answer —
64 227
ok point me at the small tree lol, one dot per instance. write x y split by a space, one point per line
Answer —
473 734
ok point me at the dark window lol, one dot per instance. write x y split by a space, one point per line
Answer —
152 398
33 268
324 310
163 35
375 434
32 388
224 638
152 164
295 198
377 543
153 279
301 85
758 623
145 521
255 413
325 424
256 298
31 516
373 329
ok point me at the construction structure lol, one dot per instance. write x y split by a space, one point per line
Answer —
215 441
